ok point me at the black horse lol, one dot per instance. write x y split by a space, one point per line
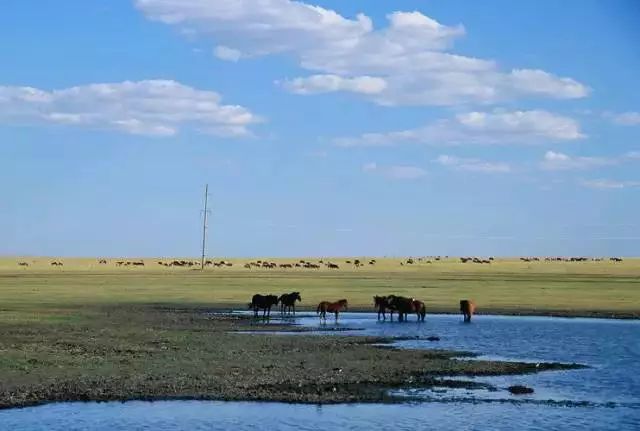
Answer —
404 306
263 302
384 303
288 302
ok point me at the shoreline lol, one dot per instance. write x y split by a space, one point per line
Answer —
154 354
565 314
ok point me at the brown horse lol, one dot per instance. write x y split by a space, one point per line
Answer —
420 309
467 308
331 307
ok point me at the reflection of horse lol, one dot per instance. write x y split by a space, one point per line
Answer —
467 308
263 302
383 303
288 302
331 307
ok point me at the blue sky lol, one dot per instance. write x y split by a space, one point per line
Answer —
323 128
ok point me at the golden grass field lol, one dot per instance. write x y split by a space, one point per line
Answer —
506 286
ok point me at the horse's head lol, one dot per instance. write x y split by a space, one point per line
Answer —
343 303
297 297
250 305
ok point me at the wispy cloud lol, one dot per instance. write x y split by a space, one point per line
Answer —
473 165
606 184
155 108
556 161
396 172
479 128
624 118
407 62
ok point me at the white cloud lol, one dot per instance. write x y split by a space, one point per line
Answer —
626 118
155 108
398 172
226 53
554 161
473 165
497 127
410 54
327 83
605 184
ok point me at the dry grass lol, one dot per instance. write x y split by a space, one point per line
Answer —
505 286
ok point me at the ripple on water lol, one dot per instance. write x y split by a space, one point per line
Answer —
201 415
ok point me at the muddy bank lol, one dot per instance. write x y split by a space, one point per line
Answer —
541 312
154 353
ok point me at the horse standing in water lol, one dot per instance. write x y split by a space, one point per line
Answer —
331 307
263 302
288 302
420 309
383 303
467 308
404 306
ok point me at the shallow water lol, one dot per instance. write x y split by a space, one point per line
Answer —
611 348
603 397
199 415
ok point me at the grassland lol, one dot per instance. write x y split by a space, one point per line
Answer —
507 286
85 331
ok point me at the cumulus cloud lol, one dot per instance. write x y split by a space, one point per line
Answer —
497 127
328 83
605 184
411 54
397 172
154 107
626 118
473 165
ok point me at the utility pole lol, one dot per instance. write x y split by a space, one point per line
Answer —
204 224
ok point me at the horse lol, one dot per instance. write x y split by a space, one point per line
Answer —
467 308
288 302
331 307
420 309
383 303
263 302
404 306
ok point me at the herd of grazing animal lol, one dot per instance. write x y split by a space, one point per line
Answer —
316 265
401 305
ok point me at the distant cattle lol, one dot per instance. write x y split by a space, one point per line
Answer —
23 264
332 266
56 263
102 261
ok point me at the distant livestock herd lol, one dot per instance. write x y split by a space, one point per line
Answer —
306 264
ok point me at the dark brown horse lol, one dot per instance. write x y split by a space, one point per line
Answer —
404 306
420 309
331 307
288 302
467 308
383 303
263 302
